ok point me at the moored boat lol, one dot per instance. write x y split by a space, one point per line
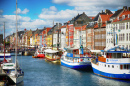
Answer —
112 63
7 57
14 73
52 56
39 53
73 59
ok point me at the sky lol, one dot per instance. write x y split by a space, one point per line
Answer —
33 14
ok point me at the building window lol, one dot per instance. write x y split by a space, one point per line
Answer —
116 26
111 40
127 37
127 46
127 25
123 36
119 37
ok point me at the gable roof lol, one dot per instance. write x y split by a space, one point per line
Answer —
125 13
50 31
91 17
116 13
105 17
96 17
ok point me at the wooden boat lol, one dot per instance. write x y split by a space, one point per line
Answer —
52 56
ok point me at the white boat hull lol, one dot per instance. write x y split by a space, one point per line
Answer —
16 80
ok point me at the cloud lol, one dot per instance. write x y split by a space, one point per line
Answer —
92 7
1 11
61 1
100 3
58 16
53 8
23 22
19 11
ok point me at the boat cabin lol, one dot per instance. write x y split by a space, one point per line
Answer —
51 53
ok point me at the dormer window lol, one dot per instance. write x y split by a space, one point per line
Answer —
118 18
123 16
128 15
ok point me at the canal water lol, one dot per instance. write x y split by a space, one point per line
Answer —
38 72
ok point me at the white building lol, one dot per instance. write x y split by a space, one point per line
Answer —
122 30
63 37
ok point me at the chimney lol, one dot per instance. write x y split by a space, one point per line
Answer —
128 8
106 11
56 24
124 7
102 11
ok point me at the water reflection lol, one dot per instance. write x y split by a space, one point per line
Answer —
102 81
38 72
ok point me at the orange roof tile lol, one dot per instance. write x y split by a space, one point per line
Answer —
92 18
96 25
125 12
103 25
36 34
63 26
105 17
48 28
79 28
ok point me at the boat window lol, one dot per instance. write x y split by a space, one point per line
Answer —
112 66
8 65
119 55
125 66
108 65
121 66
105 65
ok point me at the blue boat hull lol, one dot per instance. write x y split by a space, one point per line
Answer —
5 56
109 75
77 67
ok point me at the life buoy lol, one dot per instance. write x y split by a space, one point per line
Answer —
81 60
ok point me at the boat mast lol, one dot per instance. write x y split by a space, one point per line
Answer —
16 42
4 42
52 34
114 35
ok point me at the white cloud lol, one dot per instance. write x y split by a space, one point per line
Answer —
60 1
53 8
19 11
92 7
100 3
58 16
23 22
